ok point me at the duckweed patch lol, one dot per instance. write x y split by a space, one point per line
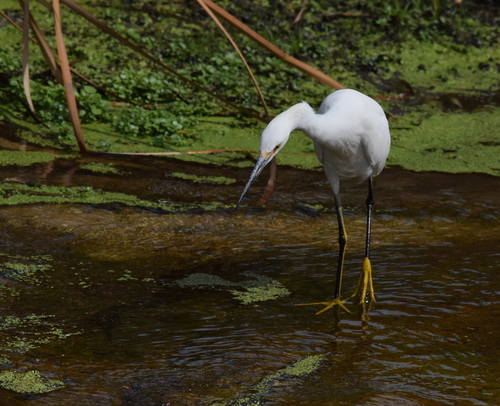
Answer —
451 143
12 193
25 158
28 269
261 288
219 180
30 332
4 361
8 291
127 276
102 168
29 273
303 366
447 66
28 382
31 320
21 334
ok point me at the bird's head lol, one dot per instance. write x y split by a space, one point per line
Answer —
274 137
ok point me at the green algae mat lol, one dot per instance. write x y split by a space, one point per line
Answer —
28 382
445 142
437 79
453 143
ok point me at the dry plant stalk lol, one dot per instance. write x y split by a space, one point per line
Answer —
290 60
26 69
44 46
216 20
62 71
67 81
103 27
272 175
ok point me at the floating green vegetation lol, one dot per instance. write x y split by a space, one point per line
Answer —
4 361
303 366
102 168
25 158
28 382
127 276
451 143
30 332
27 269
25 333
31 320
7 291
12 193
448 66
219 180
203 280
260 289
28 273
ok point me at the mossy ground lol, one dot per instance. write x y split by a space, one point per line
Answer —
456 55
447 142
23 158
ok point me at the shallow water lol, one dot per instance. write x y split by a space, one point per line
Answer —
132 336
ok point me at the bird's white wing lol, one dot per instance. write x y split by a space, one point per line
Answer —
318 148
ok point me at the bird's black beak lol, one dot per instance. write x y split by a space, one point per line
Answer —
259 166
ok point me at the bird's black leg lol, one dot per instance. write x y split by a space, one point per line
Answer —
342 247
340 265
365 282
369 208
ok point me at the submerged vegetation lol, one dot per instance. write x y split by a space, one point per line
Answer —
303 366
258 289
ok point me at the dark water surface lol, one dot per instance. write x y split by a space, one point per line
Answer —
119 331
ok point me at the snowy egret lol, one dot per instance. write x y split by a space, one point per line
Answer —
351 138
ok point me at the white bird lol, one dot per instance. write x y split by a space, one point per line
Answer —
351 138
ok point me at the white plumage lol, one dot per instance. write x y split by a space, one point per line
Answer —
351 138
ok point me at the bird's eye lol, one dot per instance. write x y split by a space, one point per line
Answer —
277 146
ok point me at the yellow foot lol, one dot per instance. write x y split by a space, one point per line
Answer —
329 305
365 283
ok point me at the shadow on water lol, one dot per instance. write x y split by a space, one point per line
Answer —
141 307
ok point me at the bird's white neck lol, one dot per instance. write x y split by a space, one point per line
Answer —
275 135
298 117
